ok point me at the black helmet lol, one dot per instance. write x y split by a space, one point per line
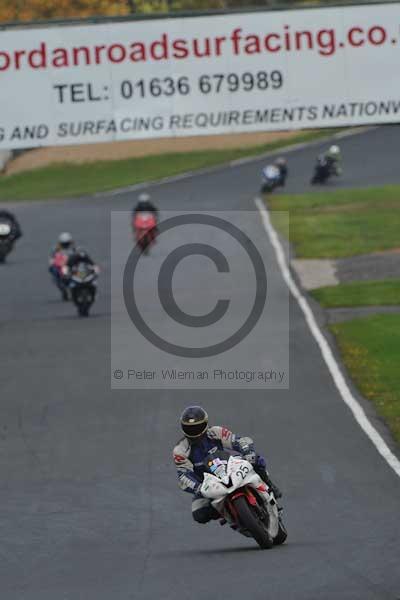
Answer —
194 421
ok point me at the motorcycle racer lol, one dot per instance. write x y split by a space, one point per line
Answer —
189 454
58 259
281 164
145 205
334 158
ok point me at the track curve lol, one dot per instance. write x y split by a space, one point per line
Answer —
90 507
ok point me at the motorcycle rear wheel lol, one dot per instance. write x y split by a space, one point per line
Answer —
251 523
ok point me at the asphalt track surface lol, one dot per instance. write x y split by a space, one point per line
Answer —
90 508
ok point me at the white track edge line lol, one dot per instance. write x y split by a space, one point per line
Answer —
327 354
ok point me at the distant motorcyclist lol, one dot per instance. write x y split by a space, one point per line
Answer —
333 158
281 164
7 216
58 259
271 178
78 257
145 222
145 205
191 450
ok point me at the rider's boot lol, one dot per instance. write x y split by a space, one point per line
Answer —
262 472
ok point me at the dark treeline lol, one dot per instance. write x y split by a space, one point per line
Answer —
30 10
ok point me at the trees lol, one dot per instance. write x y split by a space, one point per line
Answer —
30 10
27 10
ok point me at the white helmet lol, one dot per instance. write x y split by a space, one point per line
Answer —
65 239
144 197
334 150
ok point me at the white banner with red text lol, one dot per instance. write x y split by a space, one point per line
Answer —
258 71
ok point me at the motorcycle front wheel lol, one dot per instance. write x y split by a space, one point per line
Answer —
249 521
83 301
266 188
282 534
3 254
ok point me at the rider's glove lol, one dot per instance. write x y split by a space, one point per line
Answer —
197 490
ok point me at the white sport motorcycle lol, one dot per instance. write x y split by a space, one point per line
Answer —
242 498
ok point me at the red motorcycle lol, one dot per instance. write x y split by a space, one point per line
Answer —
145 229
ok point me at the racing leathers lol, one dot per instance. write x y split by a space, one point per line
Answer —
334 163
145 206
189 455
59 249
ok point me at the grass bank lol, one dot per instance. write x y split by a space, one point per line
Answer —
63 180
346 223
341 223
359 293
370 348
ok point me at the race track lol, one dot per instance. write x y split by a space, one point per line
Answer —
90 508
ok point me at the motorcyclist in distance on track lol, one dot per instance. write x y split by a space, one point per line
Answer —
334 158
281 164
145 205
58 259
16 233
192 449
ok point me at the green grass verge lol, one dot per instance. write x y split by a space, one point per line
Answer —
370 349
61 180
341 223
359 293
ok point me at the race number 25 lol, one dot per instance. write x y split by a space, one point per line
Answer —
242 471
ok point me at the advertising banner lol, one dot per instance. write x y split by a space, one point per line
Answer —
258 71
